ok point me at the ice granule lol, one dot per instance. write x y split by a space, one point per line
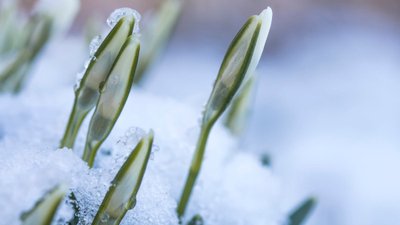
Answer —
122 12
95 44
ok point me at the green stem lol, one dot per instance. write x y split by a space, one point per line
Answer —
194 169
74 123
89 153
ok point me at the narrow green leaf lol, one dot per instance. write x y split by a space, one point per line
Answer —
157 33
45 209
196 220
240 60
300 214
113 94
238 112
121 196
87 94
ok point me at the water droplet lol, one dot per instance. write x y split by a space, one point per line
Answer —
102 86
105 217
132 202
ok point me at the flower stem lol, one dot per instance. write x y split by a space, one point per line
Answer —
194 168
74 123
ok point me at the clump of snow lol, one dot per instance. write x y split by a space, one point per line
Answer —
122 12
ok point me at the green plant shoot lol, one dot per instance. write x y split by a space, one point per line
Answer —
240 60
300 214
45 209
87 94
113 94
123 190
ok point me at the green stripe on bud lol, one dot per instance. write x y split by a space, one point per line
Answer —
87 94
240 60
121 195
238 112
113 94
45 209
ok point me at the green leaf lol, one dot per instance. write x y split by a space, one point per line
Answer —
113 94
96 73
299 215
196 220
45 209
157 33
121 196
238 112
240 60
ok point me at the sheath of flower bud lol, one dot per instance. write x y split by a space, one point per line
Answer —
121 195
241 59
113 94
87 94
45 209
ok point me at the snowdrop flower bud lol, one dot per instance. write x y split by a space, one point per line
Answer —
240 61
122 193
95 73
46 208
113 94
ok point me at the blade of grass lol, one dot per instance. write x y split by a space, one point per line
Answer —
300 214
45 209
114 92
96 73
123 190
240 60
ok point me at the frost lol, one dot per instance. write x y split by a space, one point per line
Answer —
95 44
122 12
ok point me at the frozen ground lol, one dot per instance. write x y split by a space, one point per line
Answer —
327 112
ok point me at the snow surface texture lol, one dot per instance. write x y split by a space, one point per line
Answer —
327 111
233 187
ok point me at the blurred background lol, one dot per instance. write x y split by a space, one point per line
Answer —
327 108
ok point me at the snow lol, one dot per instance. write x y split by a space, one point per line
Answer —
33 123
115 16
